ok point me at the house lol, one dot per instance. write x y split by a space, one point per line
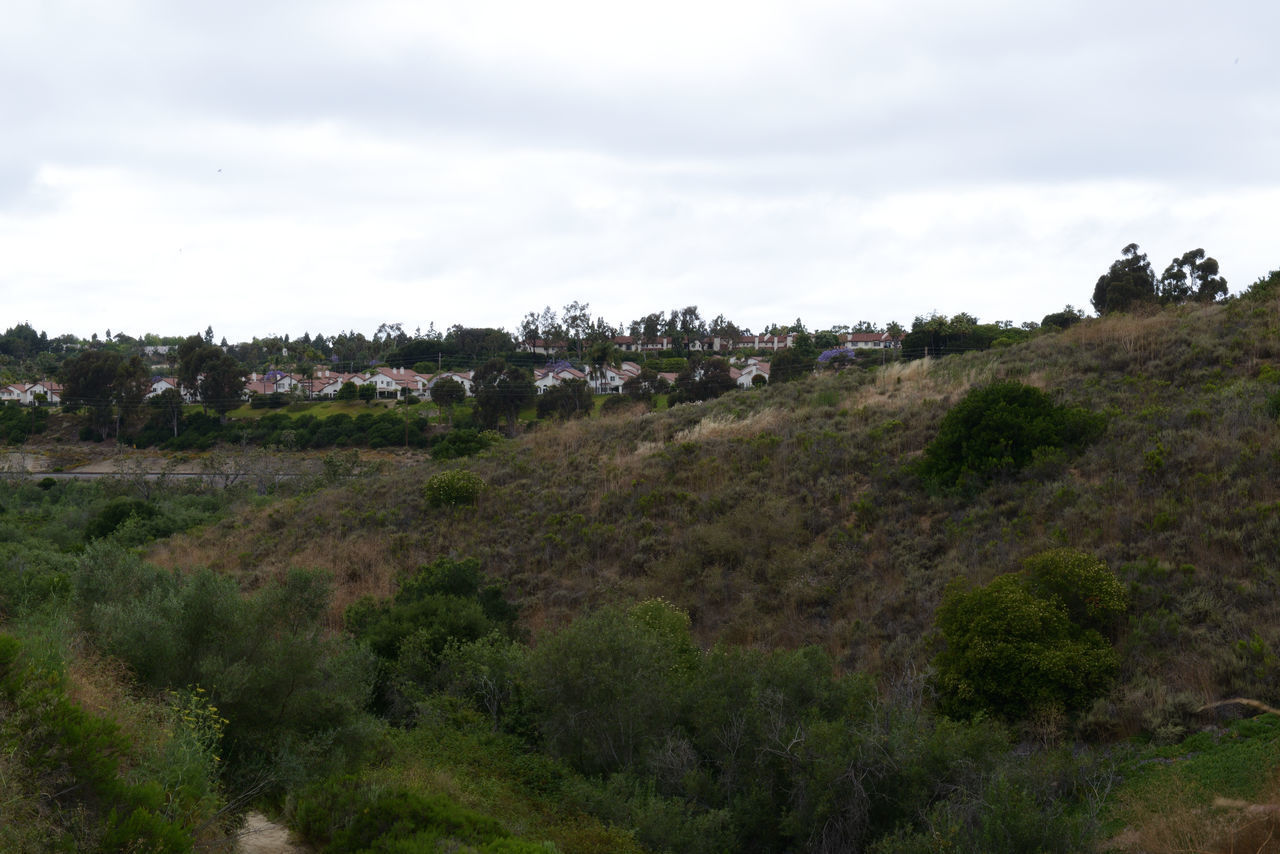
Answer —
162 384
542 347
545 378
861 340
26 392
766 342
745 378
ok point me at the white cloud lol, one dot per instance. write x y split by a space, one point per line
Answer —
331 164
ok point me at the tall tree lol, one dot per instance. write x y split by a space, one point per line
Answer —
501 391
222 383
602 355
89 380
1193 276
130 389
447 393
1127 284
577 321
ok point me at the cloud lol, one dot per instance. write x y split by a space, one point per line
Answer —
294 165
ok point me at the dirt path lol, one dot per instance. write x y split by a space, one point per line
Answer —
260 835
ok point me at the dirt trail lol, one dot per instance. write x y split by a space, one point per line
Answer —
260 835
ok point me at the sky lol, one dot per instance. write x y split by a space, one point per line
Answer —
281 166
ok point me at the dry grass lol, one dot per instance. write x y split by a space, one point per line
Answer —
724 426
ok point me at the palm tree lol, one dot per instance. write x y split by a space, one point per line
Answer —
602 355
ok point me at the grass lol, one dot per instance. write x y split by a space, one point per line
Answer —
451 752
1205 793
793 514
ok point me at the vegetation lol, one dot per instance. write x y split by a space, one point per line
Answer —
1030 644
992 602
997 430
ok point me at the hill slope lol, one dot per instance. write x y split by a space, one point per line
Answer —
793 514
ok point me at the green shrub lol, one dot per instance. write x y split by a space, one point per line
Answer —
1013 648
72 762
463 442
346 817
997 430
116 512
453 488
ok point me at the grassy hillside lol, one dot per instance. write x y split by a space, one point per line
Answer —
774 521
794 515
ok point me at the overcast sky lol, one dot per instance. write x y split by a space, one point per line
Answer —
322 165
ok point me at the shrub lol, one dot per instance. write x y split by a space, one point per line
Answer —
463 442
999 429
116 513
453 488
1013 647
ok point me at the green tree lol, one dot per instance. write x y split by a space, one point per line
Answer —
569 399
1012 647
1069 316
607 687
447 393
790 364
211 375
367 392
1266 287
1193 276
602 355
221 383
347 391
644 385
89 380
132 384
1127 284
501 391
168 406
997 430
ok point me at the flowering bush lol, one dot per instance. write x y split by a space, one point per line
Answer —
453 488
836 357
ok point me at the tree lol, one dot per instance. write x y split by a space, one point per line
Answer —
501 391
998 429
1069 316
788 365
367 392
1193 276
569 399
168 405
602 355
222 381
447 393
720 327
1128 284
577 321
130 389
1266 287
607 686
89 380
1029 641
347 391
714 379
644 385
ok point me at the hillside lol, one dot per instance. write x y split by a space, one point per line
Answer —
793 515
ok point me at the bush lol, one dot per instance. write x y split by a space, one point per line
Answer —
999 429
1013 647
453 488
116 512
463 442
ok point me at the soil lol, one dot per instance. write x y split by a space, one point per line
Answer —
260 835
